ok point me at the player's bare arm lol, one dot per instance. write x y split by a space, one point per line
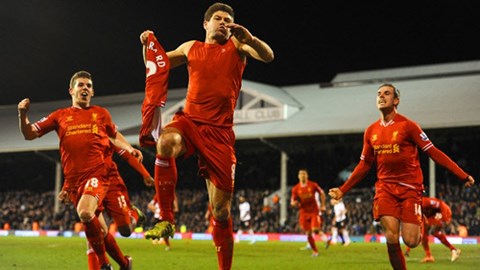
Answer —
26 128
178 56
249 44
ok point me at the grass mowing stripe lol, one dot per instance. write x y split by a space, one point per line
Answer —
26 253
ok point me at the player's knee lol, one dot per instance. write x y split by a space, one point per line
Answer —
220 213
169 143
85 215
412 244
413 241
124 231
392 237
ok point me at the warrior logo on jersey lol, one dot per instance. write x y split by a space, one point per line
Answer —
94 117
374 137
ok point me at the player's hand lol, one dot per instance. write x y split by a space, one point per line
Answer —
63 196
335 193
470 181
240 32
438 216
23 106
148 181
295 204
144 36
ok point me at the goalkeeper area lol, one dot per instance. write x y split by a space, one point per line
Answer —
26 253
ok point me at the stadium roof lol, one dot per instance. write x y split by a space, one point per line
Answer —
435 96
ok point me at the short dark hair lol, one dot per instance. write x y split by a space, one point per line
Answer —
303 169
80 74
396 91
218 7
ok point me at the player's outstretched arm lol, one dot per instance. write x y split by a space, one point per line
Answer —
26 128
121 142
137 165
445 161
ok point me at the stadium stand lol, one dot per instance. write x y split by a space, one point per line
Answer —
315 128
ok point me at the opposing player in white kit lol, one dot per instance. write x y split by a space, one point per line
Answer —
245 220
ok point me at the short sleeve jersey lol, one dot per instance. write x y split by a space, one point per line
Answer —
394 149
306 196
84 136
432 206
215 78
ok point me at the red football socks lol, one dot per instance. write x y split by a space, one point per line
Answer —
94 235
443 240
426 246
396 256
165 181
311 241
93 263
114 250
223 238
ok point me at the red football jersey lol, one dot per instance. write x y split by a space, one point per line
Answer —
215 78
394 149
84 136
306 196
432 206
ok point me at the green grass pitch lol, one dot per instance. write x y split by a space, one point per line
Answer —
27 253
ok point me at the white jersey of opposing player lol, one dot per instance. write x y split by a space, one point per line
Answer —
340 211
244 211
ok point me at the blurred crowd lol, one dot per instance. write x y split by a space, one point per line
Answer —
27 210
27 205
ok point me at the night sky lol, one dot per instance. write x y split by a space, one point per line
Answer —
44 42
